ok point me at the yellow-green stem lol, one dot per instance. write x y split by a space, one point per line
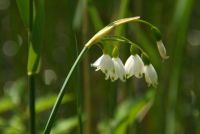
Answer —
61 94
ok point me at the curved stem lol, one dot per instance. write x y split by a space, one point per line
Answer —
153 28
96 38
108 29
121 39
145 22
61 94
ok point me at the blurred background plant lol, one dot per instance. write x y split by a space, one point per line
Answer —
118 108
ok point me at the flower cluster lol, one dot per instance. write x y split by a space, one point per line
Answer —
114 69
137 64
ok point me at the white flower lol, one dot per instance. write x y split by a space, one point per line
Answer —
119 69
162 50
151 76
106 65
134 66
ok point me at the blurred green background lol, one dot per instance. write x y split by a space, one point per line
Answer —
108 107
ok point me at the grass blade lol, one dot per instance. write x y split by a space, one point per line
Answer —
24 11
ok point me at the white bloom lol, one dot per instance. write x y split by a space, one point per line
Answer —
105 64
119 69
151 76
134 66
162 50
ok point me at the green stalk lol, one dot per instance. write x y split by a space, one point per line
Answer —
31 77
31 83
61 94
30 18
145 22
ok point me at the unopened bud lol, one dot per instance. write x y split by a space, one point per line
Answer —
162 50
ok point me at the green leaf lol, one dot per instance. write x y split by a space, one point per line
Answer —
24 11
47 102
6 104
127 113
14 125
33 60
37 38
65 126
79 13
95 18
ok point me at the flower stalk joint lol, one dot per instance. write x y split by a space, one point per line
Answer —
135 50
115 52
145 59
157 33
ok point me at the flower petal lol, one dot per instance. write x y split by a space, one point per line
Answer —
105 64
138 66
97 62
129 66
119 69
134 66
151 76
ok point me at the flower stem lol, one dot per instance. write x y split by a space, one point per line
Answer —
61 94
121 39
145 22
31 83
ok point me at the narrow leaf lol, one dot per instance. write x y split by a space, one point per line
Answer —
24 11
37 38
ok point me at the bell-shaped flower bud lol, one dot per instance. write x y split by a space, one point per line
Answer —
162 50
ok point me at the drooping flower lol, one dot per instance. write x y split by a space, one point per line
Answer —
162 50
151 76
134 66
119 69
106 65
